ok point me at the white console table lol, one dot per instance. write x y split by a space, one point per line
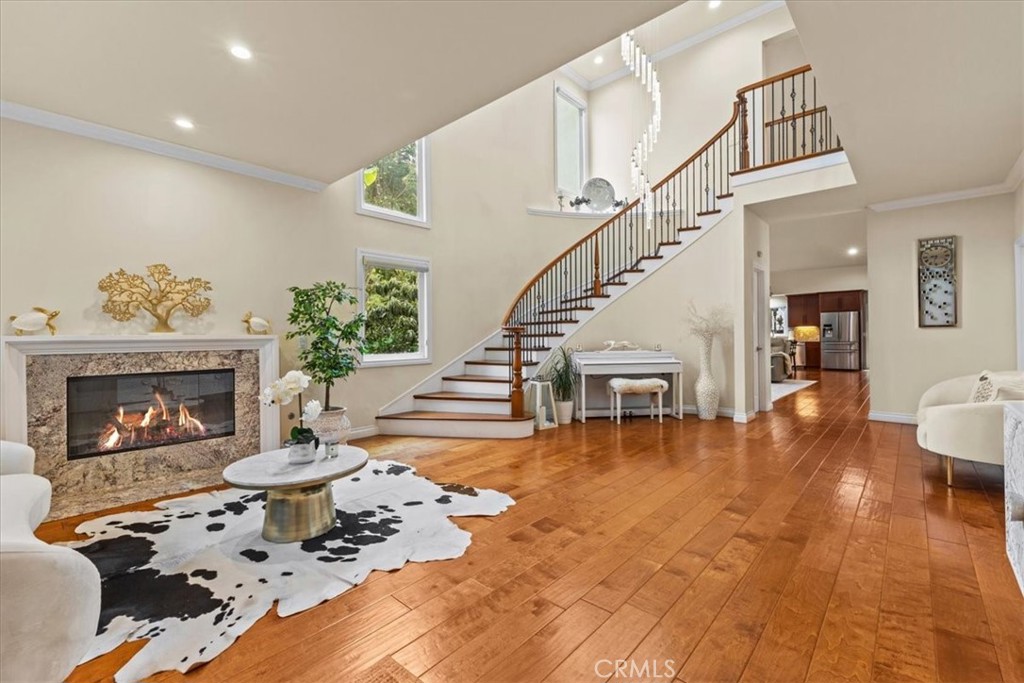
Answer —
591 364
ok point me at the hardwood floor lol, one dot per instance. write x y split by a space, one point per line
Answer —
810 544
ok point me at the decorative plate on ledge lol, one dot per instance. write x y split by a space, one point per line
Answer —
600 193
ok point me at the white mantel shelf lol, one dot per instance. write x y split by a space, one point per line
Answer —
16 349
135 343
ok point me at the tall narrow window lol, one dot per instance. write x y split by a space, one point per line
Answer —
395 187
395 298
570 143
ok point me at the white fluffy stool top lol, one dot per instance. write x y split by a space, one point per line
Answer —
621 385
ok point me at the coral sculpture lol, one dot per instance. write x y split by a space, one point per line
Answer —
128 292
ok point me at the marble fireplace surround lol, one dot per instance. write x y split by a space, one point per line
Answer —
35 372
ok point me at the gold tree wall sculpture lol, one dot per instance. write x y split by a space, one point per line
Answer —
127 293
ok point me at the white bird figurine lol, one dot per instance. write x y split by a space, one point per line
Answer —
255 325
34 320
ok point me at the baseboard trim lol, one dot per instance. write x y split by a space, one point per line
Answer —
363 432
898 418
744 418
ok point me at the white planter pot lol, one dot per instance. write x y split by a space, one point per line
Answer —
563 412
332 425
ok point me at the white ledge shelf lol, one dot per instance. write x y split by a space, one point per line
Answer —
553 213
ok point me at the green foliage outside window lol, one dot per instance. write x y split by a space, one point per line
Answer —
392 311
391 182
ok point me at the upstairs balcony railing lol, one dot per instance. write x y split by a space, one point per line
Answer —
774 121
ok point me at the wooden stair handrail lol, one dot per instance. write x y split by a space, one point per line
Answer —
775 79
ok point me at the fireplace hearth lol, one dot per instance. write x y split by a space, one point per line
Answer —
115 413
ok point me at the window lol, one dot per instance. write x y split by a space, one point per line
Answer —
570 143
394 295
395 188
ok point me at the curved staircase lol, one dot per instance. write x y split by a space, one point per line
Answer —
481 393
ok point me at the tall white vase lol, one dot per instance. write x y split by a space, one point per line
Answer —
706 387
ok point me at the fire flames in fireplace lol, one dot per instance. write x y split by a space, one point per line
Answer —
154 427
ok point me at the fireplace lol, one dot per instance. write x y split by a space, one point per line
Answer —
114 413
62 394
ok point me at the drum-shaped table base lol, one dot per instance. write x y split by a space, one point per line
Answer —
297 514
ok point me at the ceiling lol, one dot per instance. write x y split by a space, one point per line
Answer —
928 97
819 241
672 27
331 87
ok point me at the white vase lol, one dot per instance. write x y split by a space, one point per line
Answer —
301 453
332 425
705 387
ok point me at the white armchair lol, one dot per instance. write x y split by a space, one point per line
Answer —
16 458
50 593
949 425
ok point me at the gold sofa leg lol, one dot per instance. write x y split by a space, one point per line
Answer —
949 470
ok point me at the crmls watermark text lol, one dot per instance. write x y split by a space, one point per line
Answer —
628 668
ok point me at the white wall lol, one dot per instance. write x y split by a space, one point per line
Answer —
783 53
74 209
811 280
905 360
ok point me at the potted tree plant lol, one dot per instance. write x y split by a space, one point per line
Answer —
563 380
331 349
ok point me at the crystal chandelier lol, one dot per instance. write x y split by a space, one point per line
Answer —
642 68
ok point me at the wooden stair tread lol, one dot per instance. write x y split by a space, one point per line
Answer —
509 349
668 244
709 213
552 321
476 378
724 196
585 297
472 417
462 396
497 362
688 229
539 334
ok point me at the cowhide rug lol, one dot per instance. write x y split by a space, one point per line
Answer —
195 574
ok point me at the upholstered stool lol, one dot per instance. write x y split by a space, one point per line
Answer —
620 385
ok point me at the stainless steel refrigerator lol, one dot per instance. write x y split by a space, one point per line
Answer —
840 341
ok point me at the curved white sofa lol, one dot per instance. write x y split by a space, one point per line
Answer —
50 594
949 425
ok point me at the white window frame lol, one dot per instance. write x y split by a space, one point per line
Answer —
575 101
365 258
420 220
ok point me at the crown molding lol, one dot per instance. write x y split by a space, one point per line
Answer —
1013 180
575 77
687 43
115 136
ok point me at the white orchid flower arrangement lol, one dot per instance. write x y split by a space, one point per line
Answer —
283 391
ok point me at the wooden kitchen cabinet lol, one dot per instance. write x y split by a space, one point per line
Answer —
835 302
813 355
803 310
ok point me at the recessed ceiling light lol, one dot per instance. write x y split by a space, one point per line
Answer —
853 251
599 60
241 52
182 122
713 4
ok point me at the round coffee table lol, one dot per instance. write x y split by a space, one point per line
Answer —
299 500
